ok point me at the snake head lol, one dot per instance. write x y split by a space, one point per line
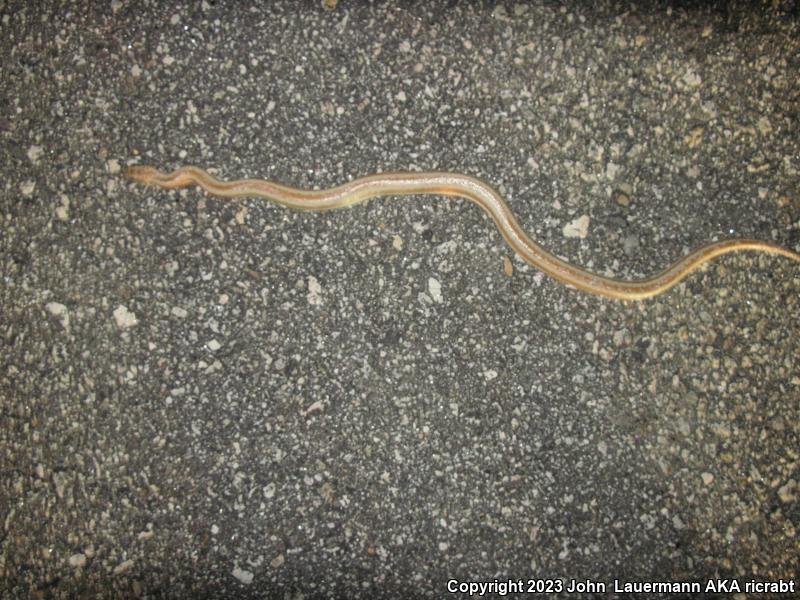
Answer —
142 174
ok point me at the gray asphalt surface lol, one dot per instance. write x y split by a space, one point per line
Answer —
215 399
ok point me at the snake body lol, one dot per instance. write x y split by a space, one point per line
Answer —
464 186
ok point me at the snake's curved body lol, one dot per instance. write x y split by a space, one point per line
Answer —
452 184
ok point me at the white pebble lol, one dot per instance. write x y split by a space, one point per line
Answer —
56 308
124 318
246 577
435 290
27 188
314 291
123 567
77 560
578 228
35 153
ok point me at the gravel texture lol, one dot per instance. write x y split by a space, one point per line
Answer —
207 399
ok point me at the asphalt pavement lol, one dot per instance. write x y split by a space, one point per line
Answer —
226 399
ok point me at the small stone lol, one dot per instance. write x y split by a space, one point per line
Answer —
630 244
435 290
695 136
35 153
278 561
241 215
692 79
612 170
787 493
622 337
579 228
214 345
27 188
246 577
62 212
56 308
77 560
707 477
123 567
124 318
312 408
314 291
500 13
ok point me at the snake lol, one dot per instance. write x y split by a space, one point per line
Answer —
464 186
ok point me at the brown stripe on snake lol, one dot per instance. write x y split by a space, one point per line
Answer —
463 186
